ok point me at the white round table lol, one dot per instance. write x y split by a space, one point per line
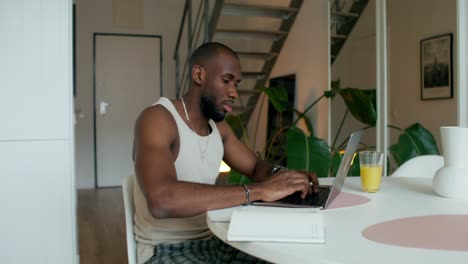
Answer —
344 242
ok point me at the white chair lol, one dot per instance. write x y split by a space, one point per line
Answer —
420 166
127 190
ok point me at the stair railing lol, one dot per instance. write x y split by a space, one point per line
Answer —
193 31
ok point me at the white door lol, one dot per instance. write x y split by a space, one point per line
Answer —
127 80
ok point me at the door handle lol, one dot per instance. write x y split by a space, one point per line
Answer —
103 107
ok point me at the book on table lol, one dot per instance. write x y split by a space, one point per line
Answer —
276 225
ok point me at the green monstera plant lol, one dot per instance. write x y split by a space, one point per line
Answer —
305 151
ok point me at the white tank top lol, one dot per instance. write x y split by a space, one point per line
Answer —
198 161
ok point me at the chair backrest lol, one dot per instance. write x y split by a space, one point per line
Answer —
420 166
127 190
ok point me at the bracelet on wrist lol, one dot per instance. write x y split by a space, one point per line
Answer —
277 168
247 195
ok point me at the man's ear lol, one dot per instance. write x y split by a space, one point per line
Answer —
198 74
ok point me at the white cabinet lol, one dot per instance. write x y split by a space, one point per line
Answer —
37 208
37 194
35 69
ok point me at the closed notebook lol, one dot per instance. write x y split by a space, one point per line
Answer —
224 215
276 226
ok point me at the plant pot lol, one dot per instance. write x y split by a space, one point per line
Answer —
451 181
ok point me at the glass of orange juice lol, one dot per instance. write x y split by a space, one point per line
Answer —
371 170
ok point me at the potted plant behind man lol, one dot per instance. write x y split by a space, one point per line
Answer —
305 151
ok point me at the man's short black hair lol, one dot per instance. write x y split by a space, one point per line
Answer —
207 51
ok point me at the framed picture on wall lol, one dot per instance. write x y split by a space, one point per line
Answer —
436 67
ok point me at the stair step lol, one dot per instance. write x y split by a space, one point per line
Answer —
253 75
338 37
248 95
246 91
250 34
258 55
258 10
342 17
344 14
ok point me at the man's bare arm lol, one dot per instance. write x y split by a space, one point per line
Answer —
155 137
273 187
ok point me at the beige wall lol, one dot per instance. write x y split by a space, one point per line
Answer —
159 18
309 36
355 67
407 22
305 54
462 43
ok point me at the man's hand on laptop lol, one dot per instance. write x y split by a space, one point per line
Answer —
286 182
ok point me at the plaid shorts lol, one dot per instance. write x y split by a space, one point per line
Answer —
211 250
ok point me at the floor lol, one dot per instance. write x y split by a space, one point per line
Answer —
101 226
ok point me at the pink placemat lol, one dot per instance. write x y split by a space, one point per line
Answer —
445 232
345 199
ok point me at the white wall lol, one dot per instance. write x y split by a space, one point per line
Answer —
38 220
305 54
159 18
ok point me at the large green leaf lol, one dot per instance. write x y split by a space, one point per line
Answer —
235 122
404 149
424 140
236 177
320 156
307 122
278 97
415 141
297 149
394 151
361 103
307 153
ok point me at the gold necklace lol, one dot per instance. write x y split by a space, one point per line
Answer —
202 146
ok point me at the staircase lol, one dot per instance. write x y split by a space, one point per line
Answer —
257 33
343 17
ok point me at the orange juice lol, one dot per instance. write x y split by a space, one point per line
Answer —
370 177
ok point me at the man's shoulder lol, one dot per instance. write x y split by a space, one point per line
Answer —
224 128
155 117
156 111
160 109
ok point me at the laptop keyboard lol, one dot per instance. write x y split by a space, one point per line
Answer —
318 199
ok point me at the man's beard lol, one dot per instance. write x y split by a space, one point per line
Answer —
208 108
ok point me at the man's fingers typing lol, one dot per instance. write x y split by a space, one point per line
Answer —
313 181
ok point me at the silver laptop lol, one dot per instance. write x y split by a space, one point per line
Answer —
326 193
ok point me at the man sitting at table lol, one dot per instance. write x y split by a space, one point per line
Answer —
179 145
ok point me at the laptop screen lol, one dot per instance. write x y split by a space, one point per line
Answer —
345 164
